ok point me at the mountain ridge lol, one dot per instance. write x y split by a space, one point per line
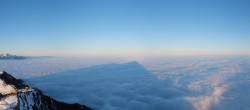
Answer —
15 95
9 56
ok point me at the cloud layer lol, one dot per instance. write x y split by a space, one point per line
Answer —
201 83
112 87
210 80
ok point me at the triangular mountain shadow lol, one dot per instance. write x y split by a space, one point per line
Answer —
99 78
105 70
109 84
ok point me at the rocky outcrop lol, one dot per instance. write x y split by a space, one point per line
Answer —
16 95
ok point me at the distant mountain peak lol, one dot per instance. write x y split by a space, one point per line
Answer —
133 63
14 95
9 56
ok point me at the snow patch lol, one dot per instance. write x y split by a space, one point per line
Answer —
8 103
6 89
27 89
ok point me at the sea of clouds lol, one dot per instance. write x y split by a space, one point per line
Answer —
186 83
214 83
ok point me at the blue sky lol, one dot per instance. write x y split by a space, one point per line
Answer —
125 27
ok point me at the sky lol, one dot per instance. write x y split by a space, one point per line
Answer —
125 27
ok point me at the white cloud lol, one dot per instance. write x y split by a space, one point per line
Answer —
204 102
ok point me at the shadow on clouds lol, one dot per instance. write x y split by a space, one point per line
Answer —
126 86
186 84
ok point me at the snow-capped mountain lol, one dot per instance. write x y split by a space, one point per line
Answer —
9 56
15 95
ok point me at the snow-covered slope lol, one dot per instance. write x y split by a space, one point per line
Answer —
18 96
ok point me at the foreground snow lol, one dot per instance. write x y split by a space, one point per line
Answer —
6 89
8 103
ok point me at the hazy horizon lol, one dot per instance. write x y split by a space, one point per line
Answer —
125 28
